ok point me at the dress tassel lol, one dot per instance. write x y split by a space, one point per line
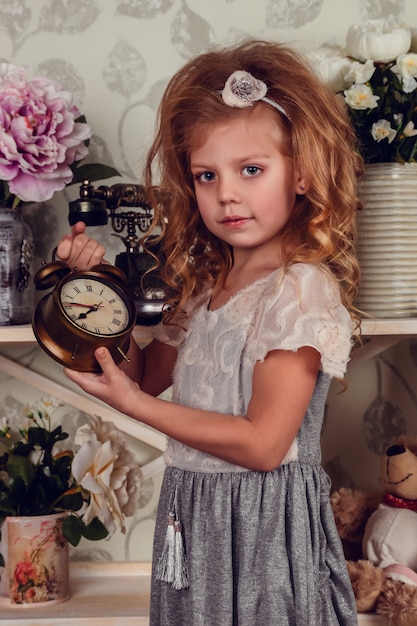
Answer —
165 567
180 563
172 566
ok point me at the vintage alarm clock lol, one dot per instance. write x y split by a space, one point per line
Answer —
85 309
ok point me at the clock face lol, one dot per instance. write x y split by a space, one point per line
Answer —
94 306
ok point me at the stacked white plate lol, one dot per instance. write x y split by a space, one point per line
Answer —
387 240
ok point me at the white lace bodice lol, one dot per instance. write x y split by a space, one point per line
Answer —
218 352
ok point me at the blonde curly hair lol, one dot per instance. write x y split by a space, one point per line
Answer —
319 139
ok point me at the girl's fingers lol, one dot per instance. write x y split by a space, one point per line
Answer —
79 250
78 228
106 362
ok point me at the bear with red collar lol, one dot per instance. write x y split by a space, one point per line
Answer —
390 538
379 534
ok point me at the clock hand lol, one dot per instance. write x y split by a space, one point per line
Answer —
93 307
86 306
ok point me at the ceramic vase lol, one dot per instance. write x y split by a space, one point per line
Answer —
387 240
35 552
16 269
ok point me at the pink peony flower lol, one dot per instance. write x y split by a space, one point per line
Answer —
39 135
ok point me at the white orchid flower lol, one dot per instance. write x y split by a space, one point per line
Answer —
382 130
361 97
381 40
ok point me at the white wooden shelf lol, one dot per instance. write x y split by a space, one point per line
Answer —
102 594
370 327
24 334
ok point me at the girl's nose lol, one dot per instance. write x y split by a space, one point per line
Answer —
228 190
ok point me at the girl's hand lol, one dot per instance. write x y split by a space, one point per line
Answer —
79 250
112 386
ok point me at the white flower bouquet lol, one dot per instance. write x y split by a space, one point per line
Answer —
376 75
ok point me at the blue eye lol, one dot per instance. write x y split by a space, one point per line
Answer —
251 170
205 177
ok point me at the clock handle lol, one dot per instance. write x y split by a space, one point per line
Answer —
111 270
50 274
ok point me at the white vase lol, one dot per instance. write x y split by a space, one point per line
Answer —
387 240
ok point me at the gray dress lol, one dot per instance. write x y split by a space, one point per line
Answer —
253 548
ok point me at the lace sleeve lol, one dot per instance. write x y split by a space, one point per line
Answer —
304 310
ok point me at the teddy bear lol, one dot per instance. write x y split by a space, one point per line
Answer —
379 536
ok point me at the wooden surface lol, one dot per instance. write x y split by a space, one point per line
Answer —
102 594
400 326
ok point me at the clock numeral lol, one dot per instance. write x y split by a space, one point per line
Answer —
76 289
73 317
89 287
97 331
116 321
112 300
84 326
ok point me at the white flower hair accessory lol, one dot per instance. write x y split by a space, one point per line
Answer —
242 90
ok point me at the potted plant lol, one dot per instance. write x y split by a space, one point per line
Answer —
82 490
375 74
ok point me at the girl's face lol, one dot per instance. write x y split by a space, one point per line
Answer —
245 187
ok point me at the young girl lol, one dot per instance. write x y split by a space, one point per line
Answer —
255 164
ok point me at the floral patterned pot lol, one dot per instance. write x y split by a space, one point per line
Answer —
36 559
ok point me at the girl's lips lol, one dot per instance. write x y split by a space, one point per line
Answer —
235 220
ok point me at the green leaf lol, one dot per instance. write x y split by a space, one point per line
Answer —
72 529
20 467
6 509
95 530
93 172
38 437
72 502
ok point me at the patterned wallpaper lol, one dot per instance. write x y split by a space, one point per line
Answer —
116 57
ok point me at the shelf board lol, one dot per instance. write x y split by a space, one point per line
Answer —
391 326
370 327
24 334
105 594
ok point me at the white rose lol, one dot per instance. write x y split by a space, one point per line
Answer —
331 65
105 467
361 97
381 40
